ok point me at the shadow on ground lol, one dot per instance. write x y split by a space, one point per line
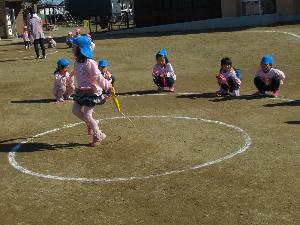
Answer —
8 145
200 95
295 122
290 103
34 101
144 92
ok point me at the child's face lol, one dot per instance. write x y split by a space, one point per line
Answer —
265 67
161 60
103 69
64 70
226 67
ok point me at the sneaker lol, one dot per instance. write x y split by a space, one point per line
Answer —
43 57
37 57
160 89
235 93
68 98
275 94
97 139
259 93
171 89
59 100
221 92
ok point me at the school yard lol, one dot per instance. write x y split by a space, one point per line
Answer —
192 158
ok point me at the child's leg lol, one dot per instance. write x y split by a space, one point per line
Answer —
260 84
90 121
233 84
170 82
158 81
275 83
59 92
76 110
69 91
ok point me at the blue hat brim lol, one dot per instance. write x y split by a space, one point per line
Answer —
86 51
103 63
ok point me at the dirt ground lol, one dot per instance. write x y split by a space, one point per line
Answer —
259 186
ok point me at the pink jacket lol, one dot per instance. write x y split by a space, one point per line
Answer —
106 75
26 36
165 70
268 76
62 81
88 76
228 74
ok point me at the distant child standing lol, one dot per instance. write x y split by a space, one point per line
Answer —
63 82
92 42
268 78
77 33
90 84
228 80
103 67
26 38
51 42
163 73
69 39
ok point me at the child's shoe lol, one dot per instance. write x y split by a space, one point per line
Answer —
259 93
171 89
97 139
221 93
68 98
59 100
275 94
160 89
235 93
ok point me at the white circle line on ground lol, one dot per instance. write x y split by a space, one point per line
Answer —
13 162
193 93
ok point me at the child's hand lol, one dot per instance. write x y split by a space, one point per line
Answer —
111 90
221 79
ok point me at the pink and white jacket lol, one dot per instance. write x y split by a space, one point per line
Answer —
89 77
61 81
106 75
270 75
228 74
26 36
167 70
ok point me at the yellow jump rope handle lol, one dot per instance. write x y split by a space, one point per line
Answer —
116 101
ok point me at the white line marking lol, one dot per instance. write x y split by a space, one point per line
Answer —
13 162
52 53
195 93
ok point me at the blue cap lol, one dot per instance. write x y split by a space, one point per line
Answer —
267 59
84 43
63 62
103 63
163 52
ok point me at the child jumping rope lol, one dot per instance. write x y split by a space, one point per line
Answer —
90 84
163 73
227 79
268 78
63 82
